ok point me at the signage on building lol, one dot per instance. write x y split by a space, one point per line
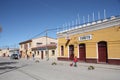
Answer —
86 37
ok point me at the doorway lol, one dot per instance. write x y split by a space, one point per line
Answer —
82 52
41 54
71 52
102 52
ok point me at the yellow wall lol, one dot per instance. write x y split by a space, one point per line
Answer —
111 35
114 50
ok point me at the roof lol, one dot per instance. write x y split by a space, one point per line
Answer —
43 47
91 26
25 42
43 36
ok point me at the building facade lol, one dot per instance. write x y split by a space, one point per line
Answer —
25 48
42 48
7 52
45 48
4 52
96 42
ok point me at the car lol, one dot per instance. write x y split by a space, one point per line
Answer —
14 56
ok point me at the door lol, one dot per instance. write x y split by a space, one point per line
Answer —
41 54
71 52
82 52
102 52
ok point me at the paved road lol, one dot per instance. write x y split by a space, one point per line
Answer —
30 70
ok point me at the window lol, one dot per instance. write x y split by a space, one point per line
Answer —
21 46
53 52
37 52
29 45
38 44
52 42
25 46
62 51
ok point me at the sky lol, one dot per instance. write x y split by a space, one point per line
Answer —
22 20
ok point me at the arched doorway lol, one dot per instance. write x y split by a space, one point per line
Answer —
102 51
71 52
82 52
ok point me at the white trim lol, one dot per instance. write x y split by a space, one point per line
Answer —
78 51
68 52
91 57
57 49
97 51
62 56
60 50
89 28
113 58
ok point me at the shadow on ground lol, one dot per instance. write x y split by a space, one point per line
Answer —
7 63
8 67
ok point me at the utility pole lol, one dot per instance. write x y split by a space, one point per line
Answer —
47 52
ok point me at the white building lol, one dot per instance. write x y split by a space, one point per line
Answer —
42 48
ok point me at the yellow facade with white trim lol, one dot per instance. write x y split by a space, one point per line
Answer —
109 34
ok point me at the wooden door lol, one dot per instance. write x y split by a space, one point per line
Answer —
102 52
82 52
71 52
42 54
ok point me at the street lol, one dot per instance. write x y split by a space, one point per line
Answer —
24 69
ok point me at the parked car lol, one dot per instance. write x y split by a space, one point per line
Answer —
14 56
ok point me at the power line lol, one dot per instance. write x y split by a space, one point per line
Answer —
43 32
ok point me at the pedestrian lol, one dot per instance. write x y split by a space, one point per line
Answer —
27 56
75 61
33 56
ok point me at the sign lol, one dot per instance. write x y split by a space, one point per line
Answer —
87 37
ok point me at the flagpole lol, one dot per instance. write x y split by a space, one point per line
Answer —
76 22
72 23
78 19
104 14
93 17
98 15
88 18
83 19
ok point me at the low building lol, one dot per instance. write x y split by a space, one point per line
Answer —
45 48
25 48
42 48
96 42
6 52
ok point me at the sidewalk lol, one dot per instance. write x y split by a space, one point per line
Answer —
63 71
96 65
44 70
67 63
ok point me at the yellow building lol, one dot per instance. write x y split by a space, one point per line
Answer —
96 42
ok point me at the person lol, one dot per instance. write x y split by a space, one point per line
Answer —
27 56
33 56
75 61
